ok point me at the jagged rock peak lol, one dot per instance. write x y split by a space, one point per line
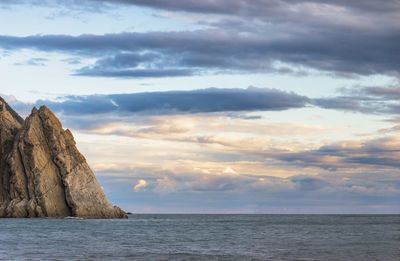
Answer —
5 107
44 174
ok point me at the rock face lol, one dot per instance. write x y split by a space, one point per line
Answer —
42 173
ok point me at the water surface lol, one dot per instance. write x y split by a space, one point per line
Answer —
204 237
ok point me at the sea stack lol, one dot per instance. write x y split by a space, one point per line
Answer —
42 173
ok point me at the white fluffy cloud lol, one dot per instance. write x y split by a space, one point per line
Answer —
140 185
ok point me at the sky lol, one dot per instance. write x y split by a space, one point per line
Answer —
218 106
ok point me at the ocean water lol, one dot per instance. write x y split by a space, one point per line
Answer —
204 237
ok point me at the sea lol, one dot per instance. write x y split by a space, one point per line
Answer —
204 237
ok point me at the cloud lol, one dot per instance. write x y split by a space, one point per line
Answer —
230 46
277 148
233 7
261 36
34 62
234 103
130 65
134 73
258 7
140 185
377 153
308 183
339 193
176 102
370 99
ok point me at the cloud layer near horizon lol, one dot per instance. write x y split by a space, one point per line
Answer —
219 149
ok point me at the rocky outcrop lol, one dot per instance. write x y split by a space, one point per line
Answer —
10 123
42 173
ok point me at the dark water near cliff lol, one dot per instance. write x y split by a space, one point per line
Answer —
204 237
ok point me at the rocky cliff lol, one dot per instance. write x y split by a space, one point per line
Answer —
42 173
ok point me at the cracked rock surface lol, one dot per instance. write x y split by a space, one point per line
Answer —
42 173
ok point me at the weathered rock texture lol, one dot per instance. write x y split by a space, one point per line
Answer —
42 173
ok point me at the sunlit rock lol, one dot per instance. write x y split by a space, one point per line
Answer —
42 173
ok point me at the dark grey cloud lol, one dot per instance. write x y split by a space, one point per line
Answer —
34 62
228 48
251 37
373 100
196 101
368 100
257 6
158 54
222 6
308 183
133 73
228 7
388 93
377 153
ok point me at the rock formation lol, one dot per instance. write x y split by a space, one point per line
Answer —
42 173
